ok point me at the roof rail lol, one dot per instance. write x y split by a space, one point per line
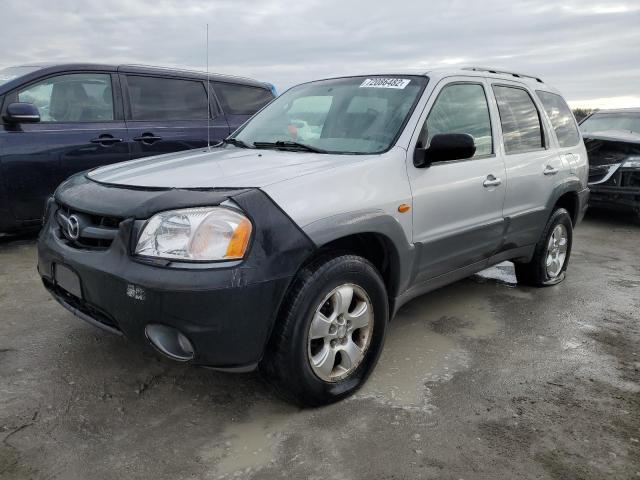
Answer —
189 70
503 72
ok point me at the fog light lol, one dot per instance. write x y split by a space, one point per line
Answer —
170 342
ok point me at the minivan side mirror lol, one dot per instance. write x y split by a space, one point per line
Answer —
22 112
443 147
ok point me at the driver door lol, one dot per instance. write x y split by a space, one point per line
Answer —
457 204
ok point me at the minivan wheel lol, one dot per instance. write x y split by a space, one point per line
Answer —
330 332
551 255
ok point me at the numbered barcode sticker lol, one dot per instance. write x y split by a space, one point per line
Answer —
398 83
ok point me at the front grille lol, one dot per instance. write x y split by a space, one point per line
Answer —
84 230
630 178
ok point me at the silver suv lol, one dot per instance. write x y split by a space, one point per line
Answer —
290 246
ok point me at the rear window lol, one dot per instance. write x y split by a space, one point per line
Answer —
561 118
241 99
155 98
521 128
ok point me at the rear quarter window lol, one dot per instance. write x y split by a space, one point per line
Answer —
562 119
241 99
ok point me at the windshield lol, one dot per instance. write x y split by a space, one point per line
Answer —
600 122
9 73
344 115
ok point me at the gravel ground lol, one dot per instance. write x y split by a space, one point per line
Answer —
480 379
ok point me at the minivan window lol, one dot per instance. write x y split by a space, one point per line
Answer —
241 99
76 97
344 115
155 98
561 118
461 108
9 73
521 128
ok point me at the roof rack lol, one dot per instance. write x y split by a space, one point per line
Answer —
503 72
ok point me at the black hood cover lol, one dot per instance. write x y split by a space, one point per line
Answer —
85 195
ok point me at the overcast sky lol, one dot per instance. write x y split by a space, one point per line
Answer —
589 49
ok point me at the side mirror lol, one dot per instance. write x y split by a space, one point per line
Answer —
443 147
21 112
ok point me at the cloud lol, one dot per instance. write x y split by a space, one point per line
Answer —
588 49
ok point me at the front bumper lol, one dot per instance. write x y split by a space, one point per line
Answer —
226 310
619 191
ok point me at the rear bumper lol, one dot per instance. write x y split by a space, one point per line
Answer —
583 203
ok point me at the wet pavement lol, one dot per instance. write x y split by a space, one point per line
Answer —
480 379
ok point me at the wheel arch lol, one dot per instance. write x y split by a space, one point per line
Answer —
567 196
374 235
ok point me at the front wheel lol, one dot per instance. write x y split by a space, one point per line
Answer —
330 332
551 255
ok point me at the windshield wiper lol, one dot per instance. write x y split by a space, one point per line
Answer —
235 142
288 145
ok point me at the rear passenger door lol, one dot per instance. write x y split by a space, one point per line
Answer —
457 205
240 102
167 114
530 160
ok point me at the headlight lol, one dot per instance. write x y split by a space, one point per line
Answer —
196 234
632 162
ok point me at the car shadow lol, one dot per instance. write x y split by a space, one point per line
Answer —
18 238
612 217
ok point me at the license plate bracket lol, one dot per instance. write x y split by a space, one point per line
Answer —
67 280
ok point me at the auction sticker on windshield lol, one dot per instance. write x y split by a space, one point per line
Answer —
399 83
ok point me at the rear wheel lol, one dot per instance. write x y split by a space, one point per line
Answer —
551 255
330 333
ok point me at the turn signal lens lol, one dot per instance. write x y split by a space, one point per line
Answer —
239 240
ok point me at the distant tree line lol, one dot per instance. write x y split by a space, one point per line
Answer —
581 113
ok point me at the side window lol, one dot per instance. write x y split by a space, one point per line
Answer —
561 118
155 98
521 128
461 108
241 99
77 97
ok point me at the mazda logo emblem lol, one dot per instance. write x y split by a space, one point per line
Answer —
73 227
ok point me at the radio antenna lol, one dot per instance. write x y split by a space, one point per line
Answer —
208 96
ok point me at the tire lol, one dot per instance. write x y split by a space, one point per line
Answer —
536 273
291 362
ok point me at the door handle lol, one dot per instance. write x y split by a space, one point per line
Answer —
106 140
147 138
491 181
549 170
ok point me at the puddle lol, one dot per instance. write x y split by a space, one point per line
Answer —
249 445
413 356
425 344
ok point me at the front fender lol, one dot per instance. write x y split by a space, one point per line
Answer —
374 221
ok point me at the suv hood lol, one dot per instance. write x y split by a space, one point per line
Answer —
219 167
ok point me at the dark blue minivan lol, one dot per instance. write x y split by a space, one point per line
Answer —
61 119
